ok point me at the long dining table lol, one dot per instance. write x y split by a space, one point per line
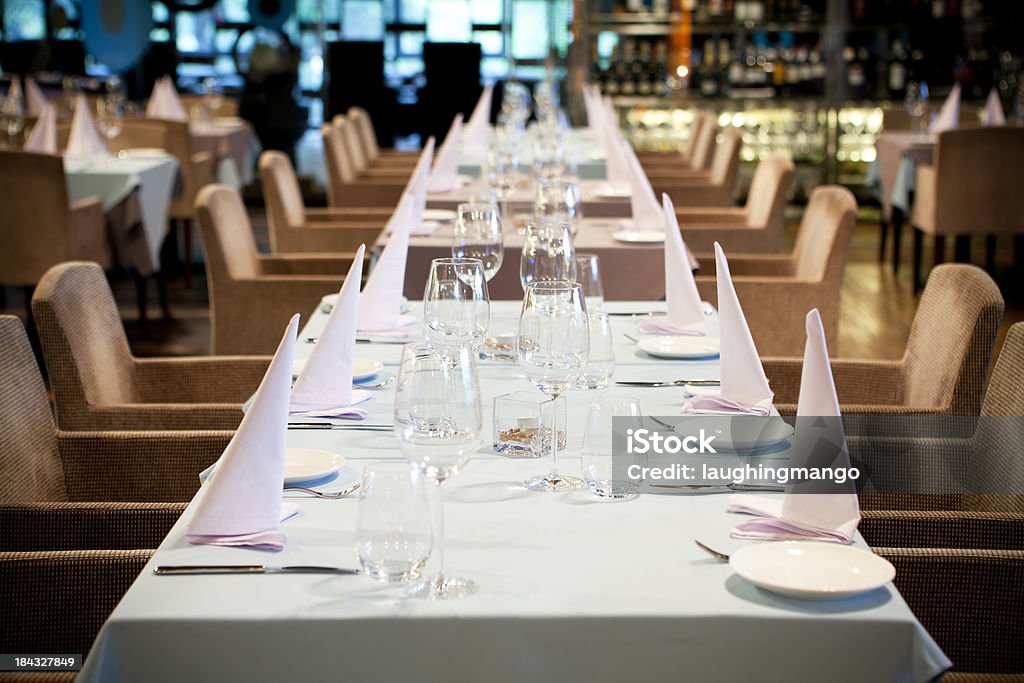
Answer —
571 587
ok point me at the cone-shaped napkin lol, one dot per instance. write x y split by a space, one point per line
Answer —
380 304
242 503
324 387
43 138
417 187
994 115
479 121
617 163
84 140
810 510
444 176
685 310
165 103
14 102
949 115
34 97
593 107
647 214
744 384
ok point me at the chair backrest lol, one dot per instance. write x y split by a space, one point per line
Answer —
978 172
725 163
824 237
951 339
1005 394
227 236
353 145
30 467
84 344
766 201
339 167
282 195
703 144
139 134
700 119
195 105
34 230
364 124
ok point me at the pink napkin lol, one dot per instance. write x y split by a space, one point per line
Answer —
242 502
380 304
164 102
324 387
479 121
647 213
744 388
34 97
43 138
685 310
14 102
949 115
84 140
420 179
800 515
444 176
994 115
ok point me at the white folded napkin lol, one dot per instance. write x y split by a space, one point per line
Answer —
444 175
949 115
592 103
84 140
242 502
685 310
647 213
617 163
165 103
324 387
43 138
380 304
475 137
14 102
34 97
805 512
744 388
420 179
994 115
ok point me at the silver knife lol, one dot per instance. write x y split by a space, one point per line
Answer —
167 570
330 425
675 383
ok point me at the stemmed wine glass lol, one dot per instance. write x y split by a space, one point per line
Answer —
548 156
438 422
558 200
554 342
110 116
456 306
478 235
548 254
916 103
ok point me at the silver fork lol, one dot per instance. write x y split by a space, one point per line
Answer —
321 494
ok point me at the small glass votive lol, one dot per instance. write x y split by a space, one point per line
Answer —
522 424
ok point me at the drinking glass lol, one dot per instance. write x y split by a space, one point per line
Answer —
553 344
601 360
213 98
558 200
548 254
456 307
548 157
110 116
605 471
478 235
588 274
916 103
393 528
438 422
501 167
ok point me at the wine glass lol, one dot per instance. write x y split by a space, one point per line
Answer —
500 170
588 274
607 473
553 344
548 254
548 157
393 529
110 116
558 200
213 99
438 422
916 103
478 235
456 307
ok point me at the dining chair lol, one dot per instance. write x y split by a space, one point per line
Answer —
196 106
252 296
350 135
294 228
971 189
99 385
653 161
139 134
344 186
754 228
777 290
368 137
713 187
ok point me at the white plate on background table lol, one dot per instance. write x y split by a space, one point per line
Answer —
612 192
327 303
440 215
679 347
142 152
639 236
309 464
362 368
812 570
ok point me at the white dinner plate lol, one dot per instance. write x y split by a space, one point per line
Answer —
441 215
612 192
328 300
639 236
812 571
679 347
309 464
362 368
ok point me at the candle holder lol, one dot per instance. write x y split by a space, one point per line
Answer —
522 424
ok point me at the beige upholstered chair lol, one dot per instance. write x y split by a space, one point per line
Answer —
714 187
970 190
653 162
99 385
352 138
139 134
752 229
368 137
195 105
40 226
294 228
344 185
945 363
253 296
776 291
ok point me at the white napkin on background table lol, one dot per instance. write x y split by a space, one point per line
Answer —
165 103
475 138
949 115
242 504
43 138
803 514
14 101
84 140
420 179
617 164
380 304
34 97
444 175
994 115
647 213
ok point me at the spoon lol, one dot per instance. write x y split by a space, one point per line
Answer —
714 553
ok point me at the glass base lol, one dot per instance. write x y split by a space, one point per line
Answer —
442 587
554 482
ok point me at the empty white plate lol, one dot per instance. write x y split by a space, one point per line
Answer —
328 300
812 571
309 464
679 347
440 215
639 236
362 368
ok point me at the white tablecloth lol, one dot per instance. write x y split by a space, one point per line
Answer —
233 143
583 151
571 588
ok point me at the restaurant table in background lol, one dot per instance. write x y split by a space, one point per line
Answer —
893 173
570 587
583 150
234 144
599 198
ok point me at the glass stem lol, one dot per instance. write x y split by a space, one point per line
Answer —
437 519
554 439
